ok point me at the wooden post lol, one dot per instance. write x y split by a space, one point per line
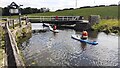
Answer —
8 22
27 20
20 19
13 24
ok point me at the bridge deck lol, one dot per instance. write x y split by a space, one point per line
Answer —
57 19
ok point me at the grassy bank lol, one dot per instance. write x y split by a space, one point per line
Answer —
1 21
108 11
111 11
108 26
1 57
23 34
2 43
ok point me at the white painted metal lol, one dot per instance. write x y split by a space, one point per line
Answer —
53 18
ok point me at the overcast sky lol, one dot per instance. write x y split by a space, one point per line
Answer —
58 4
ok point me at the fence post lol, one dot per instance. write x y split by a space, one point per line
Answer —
8 22
20 20
13 24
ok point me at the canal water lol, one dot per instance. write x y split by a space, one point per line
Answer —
59 49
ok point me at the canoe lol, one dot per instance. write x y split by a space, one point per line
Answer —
46 25
77 37
51 29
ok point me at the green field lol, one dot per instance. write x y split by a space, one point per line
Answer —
111 11
108 11
1 46
104 25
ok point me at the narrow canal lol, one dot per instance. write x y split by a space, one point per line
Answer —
50 49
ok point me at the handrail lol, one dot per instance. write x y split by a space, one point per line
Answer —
55 18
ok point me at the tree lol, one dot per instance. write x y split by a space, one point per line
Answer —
27 10
113 5
5 11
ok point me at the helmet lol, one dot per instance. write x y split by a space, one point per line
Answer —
84 33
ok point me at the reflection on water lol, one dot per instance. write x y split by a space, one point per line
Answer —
83 46
59 49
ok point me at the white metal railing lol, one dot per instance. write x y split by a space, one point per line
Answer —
55 18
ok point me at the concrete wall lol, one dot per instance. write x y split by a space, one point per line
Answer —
94 19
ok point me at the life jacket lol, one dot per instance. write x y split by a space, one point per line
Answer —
55 27
56 17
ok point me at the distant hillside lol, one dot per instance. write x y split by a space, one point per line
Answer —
108 11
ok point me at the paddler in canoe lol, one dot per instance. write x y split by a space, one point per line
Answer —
84 37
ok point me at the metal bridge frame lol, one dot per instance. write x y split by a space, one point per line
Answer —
56 18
